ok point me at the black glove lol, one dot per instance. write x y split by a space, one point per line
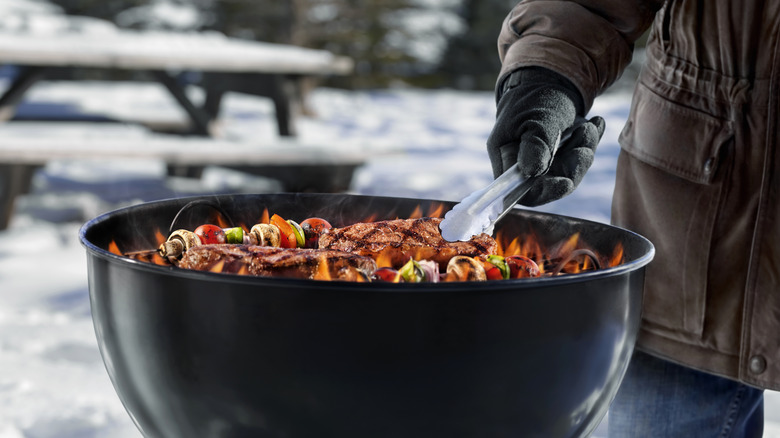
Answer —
535 106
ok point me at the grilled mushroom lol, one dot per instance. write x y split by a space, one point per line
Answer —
266 235
178 242
463 268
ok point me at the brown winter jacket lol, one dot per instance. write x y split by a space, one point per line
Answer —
697 171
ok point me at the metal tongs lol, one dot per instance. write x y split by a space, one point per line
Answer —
478 212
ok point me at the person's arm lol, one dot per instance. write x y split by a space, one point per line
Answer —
588 42
557 56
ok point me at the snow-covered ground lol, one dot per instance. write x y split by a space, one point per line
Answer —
52 381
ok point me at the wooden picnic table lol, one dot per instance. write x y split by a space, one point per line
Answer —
226 64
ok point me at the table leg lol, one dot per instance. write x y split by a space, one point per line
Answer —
283 95
200 118
214 93
13 95
281 89
15 180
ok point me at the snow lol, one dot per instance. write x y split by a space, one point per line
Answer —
161 15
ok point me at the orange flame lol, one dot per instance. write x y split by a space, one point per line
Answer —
265 218
222 222
383 259
323 271
159 237
218 267
157 259
417 213
617 255
437 211
527 246
586 264
570 244
114 249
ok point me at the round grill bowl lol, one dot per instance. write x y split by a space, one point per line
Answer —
199 354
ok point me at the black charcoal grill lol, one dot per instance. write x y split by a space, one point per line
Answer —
200 354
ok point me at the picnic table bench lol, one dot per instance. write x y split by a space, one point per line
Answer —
275 71
300 165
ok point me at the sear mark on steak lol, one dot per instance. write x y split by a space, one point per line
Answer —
395 241
269 261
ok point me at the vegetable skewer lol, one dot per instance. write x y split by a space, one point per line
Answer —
279 233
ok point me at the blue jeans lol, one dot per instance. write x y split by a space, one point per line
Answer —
660 399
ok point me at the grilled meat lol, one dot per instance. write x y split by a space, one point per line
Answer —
324 264
393 242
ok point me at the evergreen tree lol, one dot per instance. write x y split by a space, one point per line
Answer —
471 60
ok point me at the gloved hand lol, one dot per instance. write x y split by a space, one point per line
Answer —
535 106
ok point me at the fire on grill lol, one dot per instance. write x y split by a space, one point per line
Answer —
398 250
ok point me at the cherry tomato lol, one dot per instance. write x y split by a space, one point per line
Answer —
521 267
313 227
388 275
287 238
209 233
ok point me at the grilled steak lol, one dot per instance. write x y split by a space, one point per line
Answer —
393 242
323 264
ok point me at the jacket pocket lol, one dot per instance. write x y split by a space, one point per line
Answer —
668 188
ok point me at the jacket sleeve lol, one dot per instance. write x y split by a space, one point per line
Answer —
590 42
